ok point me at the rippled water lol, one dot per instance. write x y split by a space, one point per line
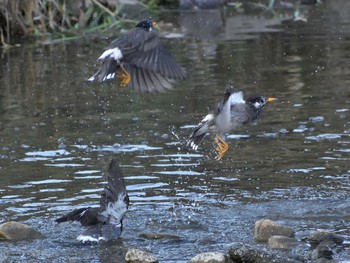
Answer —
57 132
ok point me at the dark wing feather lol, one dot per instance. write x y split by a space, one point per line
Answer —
144 50
115 185
134 40
144 80
86 216
157 60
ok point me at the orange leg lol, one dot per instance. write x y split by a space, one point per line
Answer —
124 75
222 147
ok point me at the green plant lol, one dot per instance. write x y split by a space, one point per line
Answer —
61 18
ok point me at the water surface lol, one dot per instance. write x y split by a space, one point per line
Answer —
57 132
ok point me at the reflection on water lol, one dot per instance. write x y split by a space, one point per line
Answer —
57 131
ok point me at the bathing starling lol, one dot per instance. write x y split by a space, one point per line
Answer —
140 60
232 112
106 222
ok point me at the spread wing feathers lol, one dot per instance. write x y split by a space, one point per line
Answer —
203 127
144 50
114 200
143 80
86 216
134 40
157 60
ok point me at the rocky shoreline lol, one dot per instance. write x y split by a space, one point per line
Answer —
275 243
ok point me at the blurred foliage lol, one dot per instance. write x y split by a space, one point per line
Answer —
171 3
67 19
63 18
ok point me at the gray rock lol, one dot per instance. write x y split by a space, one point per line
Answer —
322 251
208 257
265 228
328 243
317 238
139 256
245 253
282 242
17 231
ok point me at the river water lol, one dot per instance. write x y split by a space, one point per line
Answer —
57 131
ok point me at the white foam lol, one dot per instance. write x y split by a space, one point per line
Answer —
83 238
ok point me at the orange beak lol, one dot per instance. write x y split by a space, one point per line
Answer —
271 99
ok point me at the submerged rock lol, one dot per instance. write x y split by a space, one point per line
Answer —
139 256
282 242
208 257
159 236
322 251
244 253
318 237
17 231
266 228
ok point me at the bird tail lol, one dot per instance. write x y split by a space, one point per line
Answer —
107 71
198 134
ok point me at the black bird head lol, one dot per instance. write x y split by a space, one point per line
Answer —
258 103
147 25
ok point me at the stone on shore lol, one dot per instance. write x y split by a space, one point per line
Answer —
17 231
318 237
139 256
246 253
208 257
265 228
282 242
322 252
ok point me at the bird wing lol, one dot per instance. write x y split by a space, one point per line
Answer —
225 110
144 50
241 114
86 216
231 98
144 80
114 200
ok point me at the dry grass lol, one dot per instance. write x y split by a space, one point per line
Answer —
65 18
